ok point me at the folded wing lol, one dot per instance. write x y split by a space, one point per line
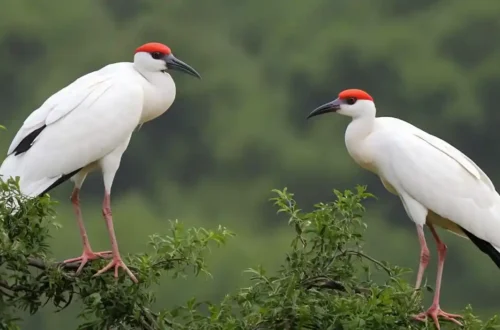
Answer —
441 178
76 126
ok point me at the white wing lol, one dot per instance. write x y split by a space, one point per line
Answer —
83 122
445 147
439 177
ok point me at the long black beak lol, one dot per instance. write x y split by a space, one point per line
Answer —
325 108
175 64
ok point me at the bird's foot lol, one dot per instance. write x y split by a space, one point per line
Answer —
86 256
117 263
434 312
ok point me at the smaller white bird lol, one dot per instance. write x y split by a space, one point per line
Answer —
437 184
88 125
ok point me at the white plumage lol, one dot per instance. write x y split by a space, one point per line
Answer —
430 174
437 184
78 132
88 125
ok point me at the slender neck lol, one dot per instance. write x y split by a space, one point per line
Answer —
360 127
356 137
159 93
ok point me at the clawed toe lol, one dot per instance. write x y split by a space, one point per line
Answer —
117 263
435 312
86 257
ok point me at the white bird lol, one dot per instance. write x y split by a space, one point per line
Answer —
437 184
86 126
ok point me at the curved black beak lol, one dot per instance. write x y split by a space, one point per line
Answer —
175 64
325 108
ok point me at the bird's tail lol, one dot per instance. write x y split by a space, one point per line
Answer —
12 167
486 247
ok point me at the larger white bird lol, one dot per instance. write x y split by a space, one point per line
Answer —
437 184
87 125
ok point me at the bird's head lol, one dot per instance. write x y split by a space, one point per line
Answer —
155 56
350 102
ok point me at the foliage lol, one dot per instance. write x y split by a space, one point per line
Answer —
29 279
326 280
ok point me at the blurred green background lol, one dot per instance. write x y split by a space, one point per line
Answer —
241 131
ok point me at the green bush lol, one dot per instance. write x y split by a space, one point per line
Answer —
326 281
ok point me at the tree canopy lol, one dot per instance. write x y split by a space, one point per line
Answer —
326 280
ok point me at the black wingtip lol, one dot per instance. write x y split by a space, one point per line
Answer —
28 140
62 179
484 246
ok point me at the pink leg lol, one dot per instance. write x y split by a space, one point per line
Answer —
87 254
117 260
434 311
424 256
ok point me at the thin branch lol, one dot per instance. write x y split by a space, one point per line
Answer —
43 265
322 282
166 262
375 261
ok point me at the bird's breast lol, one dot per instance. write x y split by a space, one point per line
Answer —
159 94
361 155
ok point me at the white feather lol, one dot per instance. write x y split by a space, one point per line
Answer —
394 124
438 176
85 121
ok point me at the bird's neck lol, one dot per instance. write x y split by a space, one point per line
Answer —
159 94
360 127
355 139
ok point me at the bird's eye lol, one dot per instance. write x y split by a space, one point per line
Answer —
156 55
351 100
